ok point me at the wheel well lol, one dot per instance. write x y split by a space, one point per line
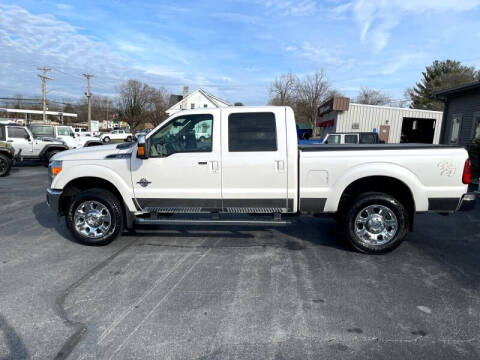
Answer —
85 183
388 185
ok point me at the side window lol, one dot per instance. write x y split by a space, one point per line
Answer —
16 133
476 127
334 139
188 133
64 131
455 131
367 139
2 133
351 139
252 132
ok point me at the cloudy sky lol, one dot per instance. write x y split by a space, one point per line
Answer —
231 48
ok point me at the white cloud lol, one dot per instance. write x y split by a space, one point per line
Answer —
126 46
322 55
378 18
291 7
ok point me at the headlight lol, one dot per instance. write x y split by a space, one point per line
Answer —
54 168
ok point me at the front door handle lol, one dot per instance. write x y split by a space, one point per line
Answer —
202 163
213 166
9 140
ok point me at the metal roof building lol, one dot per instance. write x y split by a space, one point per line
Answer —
393 124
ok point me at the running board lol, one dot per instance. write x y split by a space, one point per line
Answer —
214 219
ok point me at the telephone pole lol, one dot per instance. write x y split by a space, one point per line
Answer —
88 94
44 78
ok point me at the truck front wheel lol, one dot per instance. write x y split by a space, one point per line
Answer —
377 223
94 217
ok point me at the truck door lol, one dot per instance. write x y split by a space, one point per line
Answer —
254 161
183 168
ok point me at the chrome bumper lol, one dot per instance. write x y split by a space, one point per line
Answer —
467 202
53 199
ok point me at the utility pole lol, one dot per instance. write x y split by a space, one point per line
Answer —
88 94
44 78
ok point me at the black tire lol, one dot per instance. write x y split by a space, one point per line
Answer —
106 139
50 154
5 165
111 202
383 201
129 139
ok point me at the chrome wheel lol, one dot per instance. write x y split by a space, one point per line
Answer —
92 219
376 225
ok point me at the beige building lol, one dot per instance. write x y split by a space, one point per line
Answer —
393 124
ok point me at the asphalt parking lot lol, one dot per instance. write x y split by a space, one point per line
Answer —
245 293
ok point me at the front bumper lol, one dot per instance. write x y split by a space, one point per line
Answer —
467 202
53 199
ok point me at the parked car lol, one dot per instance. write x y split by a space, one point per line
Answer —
7 156
253 164
30 147
352 138
117 135
64 133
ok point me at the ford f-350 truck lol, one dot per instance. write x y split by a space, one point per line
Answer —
251 167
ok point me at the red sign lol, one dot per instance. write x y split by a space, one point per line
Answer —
327 123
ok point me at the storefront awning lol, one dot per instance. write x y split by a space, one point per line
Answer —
327 123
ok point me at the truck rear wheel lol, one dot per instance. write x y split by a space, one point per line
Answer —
5 165
377 223
95 217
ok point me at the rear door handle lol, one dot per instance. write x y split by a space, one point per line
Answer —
202 163
279 165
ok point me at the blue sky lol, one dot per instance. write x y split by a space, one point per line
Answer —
231 48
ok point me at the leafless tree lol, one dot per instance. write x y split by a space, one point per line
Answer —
134 102
372 97
311 91
159 99
283 90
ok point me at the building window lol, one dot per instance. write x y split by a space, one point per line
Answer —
192 106
252 132
476 127
355 126
455 130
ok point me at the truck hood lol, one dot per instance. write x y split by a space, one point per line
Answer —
94 152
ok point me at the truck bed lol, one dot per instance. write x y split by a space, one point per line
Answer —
354 147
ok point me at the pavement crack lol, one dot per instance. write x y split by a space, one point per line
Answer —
80 329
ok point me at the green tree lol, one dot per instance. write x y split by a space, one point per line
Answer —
439 76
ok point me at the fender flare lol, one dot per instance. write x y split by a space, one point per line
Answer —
385 169
48 147
6 153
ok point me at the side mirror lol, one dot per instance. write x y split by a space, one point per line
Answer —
27 137
325 142
142 148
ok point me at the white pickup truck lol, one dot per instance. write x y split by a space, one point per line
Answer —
250 166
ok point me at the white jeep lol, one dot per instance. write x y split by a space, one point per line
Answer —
65 133
117 135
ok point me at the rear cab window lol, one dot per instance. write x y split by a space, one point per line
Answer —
42 130
252 132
